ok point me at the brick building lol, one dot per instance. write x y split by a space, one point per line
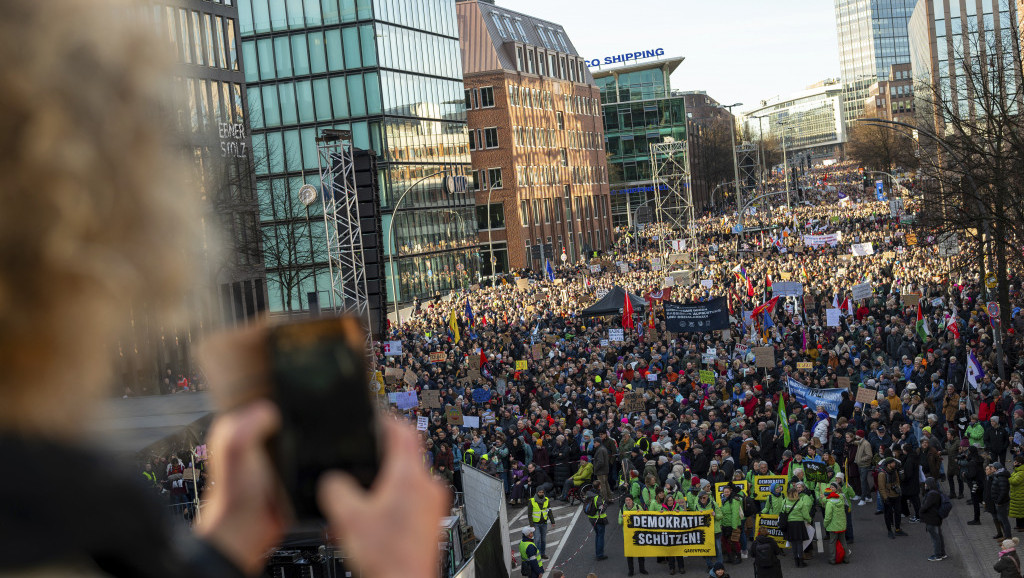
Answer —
892 99
537 140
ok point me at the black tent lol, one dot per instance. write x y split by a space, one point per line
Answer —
612 303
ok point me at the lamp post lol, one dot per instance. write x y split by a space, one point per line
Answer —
391 239
735 161
785 160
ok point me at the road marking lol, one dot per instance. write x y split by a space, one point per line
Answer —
568 532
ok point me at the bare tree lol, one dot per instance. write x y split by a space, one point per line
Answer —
881 149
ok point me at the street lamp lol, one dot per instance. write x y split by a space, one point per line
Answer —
785 160
391 239
735 161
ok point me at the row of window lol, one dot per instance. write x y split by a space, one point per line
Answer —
276 152
530 97
509 26
487 179
552 252
208 103
319 100
482 97
273 15
497 216
547 209
483 138
197 37
545 175
302 54
551 64
418 52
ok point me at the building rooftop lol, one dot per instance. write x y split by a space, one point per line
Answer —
672 63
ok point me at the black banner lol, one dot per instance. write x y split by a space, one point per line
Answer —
817 472
697 317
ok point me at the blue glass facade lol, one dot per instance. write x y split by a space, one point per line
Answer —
389 71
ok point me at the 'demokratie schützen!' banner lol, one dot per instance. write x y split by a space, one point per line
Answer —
668 533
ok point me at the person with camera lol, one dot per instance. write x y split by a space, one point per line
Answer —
594 507
539 512
891 491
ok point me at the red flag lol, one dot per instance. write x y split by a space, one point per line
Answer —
627 313
483 357
768 306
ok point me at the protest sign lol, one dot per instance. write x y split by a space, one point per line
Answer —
808 301
616 335
707 283
406 400
522 283
481 395
604 343
470 421
742 485
392 348
656 264
810 397
595 269
430 398
453 415
786 275
422 423
601 293
521 365
911 299
537 351
410 377
861 291
888 255
817 472
770 523
674 258
787 289
393 374
866 394
668 533
652 377
623 268
804 365
683 277
669 281
831 239
832 317
843 382
763 486
862 249
707 376
679 245
710 315
438 357
473 374
764 357
911 239
633 402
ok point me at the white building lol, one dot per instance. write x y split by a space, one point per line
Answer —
811 121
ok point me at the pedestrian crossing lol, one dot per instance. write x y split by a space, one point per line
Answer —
563 515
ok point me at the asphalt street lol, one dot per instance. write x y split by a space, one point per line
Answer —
872 553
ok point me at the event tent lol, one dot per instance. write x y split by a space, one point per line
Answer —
611 304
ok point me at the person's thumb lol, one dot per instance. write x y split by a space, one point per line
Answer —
340 496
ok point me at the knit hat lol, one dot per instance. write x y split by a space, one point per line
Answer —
860 433
714 462
964 443
1010 544
695 481
677 458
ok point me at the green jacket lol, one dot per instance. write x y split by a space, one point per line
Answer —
731 512
584 474
835 515
799 511
691 500
655 506
1017 493
636 508
773 505
717 513
635 489
647 494
976 434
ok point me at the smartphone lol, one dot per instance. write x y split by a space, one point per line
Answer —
320 384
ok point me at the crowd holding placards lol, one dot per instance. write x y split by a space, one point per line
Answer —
544 389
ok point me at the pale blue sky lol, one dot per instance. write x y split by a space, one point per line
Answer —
736 50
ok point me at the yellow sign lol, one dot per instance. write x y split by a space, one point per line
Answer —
741 485
770 523
707 376
990 280
520 365
804 365
763 486
668 533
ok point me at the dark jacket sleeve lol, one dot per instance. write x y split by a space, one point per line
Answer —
532 553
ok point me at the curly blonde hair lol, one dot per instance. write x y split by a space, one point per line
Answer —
94 214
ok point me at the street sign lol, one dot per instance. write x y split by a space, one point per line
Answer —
993 309
455 184
990 280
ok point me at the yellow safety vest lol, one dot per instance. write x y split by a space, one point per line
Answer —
523 545
540 512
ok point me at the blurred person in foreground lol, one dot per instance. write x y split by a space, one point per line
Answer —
94 217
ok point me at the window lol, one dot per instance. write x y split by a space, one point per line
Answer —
524 218
531 61
491 138
519 27
472 140
536 212
547 211
497 216
511 30
479 180
519 58
564 156
494 177
560 119
469 100
497 24
487 97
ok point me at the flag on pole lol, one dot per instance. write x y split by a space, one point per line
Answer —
922 324
784 421
453 326
627 313
469 314
483 357
974 370
767 282
766 307
551 272
803 272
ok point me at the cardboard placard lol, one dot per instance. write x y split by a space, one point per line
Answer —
866 395
888 255
786 275
808 301
430 399
410 377
537 351
521 365
393 374
633 402
453 415
707 377
438 357
804 365
911 299
764 357
912 239
522 283
422 422
843 382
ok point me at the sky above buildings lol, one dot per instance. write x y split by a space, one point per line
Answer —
736 50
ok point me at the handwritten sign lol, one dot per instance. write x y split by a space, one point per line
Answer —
866 395
392 348
911 299
430 398
707 377
521 365
832 317
537 351
406 400
804 365
422 423
764 357
616 335
410 377
633 402
453 415
843 382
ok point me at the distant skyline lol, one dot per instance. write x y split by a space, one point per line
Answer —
736 50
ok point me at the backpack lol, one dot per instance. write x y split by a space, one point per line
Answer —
764 555
589 508
945 506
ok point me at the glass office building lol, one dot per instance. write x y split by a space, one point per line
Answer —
873 36
389 71
639 109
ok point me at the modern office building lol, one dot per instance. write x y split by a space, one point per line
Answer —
388 71
943 36
210 102
537 139
892 99
811 122
872 37
639 109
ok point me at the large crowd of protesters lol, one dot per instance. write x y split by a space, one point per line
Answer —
941 422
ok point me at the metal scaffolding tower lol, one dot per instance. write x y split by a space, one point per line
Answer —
670 173
349 292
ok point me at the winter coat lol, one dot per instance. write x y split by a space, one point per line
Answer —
1017 493
888 484
931 461
601 462
864 454
835 514
997 440
930 508
952 451
801 509
731 512
976 434
1000 490
559 455
1008 565
910 480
